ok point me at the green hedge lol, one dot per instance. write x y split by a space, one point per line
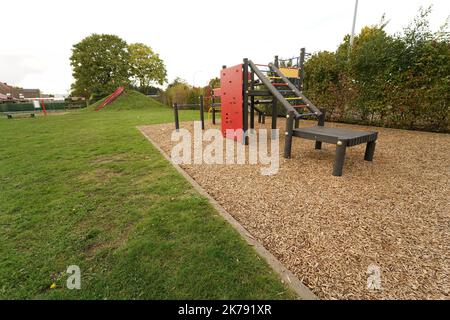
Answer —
15 107
400 81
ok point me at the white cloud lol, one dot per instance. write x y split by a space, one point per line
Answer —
195 38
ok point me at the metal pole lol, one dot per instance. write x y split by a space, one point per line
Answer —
340 158
352 36
252 103
245 102
202 114
320 124
274 103
288 134
175 111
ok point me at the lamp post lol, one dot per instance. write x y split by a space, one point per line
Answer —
352 36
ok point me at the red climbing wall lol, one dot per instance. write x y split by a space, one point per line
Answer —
231 100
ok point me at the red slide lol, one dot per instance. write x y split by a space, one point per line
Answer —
111 98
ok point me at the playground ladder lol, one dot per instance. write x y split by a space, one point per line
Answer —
284 91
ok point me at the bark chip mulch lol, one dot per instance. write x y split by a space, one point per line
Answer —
393 213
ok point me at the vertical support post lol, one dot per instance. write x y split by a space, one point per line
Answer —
175 112
288 134
245 100
302 68
370 151
274 113
202 113
321 123
340 158
213 108
297 123
252 103
274 102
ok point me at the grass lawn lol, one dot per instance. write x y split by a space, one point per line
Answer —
88 189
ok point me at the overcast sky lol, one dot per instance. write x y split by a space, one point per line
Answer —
194 38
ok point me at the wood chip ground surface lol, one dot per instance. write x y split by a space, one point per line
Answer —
392 213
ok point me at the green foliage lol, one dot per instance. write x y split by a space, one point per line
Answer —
214 83
103 62
400 80
129 100
181 92
100 64
145 65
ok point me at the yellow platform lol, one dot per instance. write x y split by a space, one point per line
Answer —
290 72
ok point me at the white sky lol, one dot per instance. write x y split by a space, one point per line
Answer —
194 38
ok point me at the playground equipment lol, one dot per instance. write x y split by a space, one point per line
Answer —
111 98
200 105
243 83
276 85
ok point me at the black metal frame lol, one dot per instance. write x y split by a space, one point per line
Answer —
177 106
342 138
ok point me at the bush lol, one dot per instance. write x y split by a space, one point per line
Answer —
400 80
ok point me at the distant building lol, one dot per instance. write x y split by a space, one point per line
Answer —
15 93
30 93
5 89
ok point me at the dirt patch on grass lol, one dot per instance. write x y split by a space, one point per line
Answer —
392 213
91 250
104 159
100 175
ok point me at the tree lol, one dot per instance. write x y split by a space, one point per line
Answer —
100 64
145 65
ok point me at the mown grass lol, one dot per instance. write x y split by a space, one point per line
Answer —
88 189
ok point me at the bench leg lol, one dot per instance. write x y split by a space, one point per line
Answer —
288 135
318 145
340 158
370 151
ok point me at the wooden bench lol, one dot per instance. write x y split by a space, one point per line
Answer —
19 114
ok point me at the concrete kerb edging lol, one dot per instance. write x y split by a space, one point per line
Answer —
287 276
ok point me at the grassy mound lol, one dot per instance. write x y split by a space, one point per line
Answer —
129 100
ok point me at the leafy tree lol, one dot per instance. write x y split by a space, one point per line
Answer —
100 64
214 83
177 91
145 65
